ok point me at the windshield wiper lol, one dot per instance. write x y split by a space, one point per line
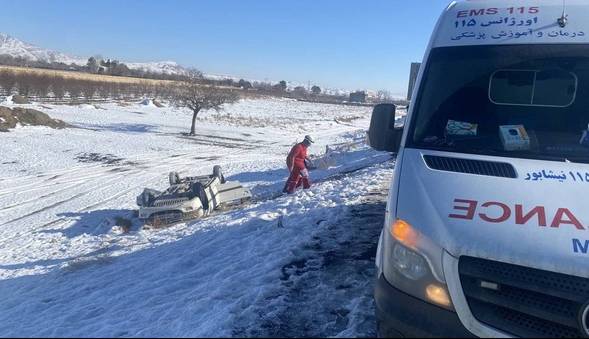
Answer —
577 160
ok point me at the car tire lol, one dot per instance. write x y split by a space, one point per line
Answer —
217 172
174 178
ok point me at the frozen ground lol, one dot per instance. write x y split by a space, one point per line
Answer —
298 265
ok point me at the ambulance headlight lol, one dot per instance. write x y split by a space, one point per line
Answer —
407 268
410 264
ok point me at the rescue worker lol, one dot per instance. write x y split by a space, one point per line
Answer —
299 175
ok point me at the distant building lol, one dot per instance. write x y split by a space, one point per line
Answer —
358 96
413 78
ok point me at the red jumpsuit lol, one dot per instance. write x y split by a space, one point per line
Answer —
298 171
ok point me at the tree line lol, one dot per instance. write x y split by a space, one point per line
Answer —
59 88
56 88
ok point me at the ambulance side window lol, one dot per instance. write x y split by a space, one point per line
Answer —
547 88
512 87
555 88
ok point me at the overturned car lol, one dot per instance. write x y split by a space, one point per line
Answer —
190 198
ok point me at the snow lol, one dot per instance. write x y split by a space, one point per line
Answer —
164 67
8 101
147 102
69 268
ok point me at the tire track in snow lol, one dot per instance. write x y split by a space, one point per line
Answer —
43 209
62 220
18 191
51 173
24 188
61 202
100 171
35 199
120 171
31 180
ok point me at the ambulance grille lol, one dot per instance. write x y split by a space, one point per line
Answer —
522 301
478 167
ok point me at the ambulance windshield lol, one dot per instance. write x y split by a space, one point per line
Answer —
528 101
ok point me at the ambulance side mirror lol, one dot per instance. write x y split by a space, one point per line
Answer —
383 135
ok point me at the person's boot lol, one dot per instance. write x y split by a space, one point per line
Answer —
306 183
291 187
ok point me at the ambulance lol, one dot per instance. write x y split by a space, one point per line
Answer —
487 220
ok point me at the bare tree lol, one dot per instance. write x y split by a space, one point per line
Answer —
263 86
300 91
58 87
74 89
89 89
145 89
103 90
244 84
7 81
115 90
384 96
25 84
41 86
282 85
196 97
92 65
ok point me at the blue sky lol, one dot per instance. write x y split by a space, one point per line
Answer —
345 44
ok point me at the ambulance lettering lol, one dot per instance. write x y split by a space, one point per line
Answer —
498 212
581 247
495 11
478 12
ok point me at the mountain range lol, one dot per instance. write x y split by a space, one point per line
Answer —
17 48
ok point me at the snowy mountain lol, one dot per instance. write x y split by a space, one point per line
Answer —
16 48
164 67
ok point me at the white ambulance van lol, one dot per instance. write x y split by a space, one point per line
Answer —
487 222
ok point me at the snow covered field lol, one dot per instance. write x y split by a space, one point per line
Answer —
299 265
